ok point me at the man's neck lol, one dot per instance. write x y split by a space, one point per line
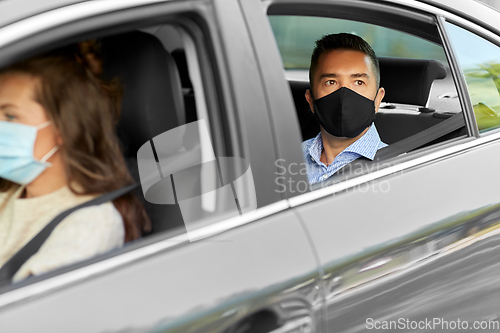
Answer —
332 145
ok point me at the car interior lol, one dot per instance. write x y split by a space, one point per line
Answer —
151 83
159 96
155 73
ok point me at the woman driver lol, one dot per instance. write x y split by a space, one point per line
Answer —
58 149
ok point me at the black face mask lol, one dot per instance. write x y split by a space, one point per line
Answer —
344 113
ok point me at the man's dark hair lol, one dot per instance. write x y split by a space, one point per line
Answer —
342 41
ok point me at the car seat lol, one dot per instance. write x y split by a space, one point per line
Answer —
152 103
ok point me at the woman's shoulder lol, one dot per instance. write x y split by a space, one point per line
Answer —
101 225
83 234
105 215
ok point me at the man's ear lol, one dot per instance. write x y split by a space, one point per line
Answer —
310 100
378 99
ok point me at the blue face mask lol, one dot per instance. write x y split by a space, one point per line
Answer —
17 162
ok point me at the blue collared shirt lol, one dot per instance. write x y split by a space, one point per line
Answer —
317 171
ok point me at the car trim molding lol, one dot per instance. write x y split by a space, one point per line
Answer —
88 271
56 17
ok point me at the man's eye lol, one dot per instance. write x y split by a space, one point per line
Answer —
330 82
359 83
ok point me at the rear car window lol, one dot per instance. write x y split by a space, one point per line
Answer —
480 63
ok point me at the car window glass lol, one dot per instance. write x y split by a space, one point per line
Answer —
419 89
165 129
296 35
480 63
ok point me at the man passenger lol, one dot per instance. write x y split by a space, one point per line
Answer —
345 95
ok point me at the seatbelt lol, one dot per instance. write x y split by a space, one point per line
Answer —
417 140
10 268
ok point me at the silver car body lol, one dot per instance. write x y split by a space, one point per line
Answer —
415 240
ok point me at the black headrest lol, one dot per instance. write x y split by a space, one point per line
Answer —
409 81
152 94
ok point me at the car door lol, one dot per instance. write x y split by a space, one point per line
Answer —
409 244
248 265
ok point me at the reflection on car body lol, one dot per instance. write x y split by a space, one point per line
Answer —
331 258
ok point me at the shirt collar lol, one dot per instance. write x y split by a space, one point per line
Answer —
316 147
366 146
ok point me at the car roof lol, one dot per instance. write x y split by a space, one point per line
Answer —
21 9
461 5
472 10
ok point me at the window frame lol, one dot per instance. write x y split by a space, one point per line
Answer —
363 12
198 21
416 12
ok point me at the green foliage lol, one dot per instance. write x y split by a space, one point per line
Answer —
485 100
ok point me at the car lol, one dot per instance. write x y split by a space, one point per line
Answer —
213 117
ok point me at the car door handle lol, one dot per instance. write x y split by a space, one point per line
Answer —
300 325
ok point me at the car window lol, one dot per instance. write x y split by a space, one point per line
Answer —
296 36
414 100
189 175
480 63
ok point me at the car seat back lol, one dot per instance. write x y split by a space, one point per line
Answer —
152 103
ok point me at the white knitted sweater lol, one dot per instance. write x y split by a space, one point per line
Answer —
83 234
